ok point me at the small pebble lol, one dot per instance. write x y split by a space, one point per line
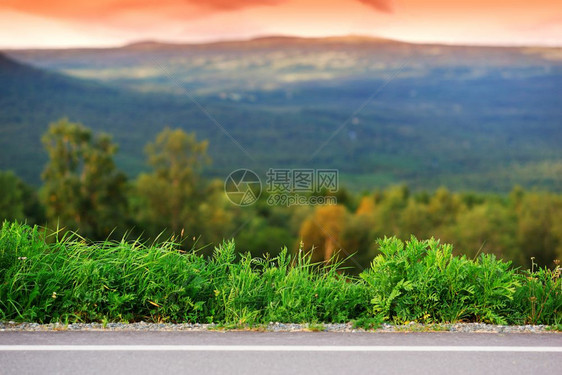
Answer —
273 327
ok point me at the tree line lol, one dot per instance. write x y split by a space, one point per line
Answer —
84 191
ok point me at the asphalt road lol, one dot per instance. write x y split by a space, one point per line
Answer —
310 353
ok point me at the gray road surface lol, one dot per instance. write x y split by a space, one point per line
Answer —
278 353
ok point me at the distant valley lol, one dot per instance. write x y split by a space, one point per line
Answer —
383 112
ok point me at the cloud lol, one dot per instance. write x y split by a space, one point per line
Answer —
112 9
238 4
87 9
380 5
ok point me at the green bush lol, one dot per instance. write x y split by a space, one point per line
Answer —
69 279
422 281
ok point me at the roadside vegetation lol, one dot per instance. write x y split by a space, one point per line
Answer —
62 277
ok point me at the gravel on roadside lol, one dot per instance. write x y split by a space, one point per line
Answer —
273 327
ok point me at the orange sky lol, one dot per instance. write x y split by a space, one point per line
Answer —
66 23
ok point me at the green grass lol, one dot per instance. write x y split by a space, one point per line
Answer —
70 279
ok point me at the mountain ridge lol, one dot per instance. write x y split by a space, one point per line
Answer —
273 39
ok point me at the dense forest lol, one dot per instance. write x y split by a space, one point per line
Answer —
84 191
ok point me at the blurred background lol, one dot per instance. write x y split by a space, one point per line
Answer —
124 118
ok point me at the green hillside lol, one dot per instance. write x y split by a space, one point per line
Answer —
31 98
478 118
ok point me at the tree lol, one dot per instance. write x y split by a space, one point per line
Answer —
11 197
83 190
415 220
490 227
324 229
358 240
172 194
388 211
537 230
444 207
19 201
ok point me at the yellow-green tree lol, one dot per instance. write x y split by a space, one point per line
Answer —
388 211
415 220
490 227
538 226
172 194
83 190
324 230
